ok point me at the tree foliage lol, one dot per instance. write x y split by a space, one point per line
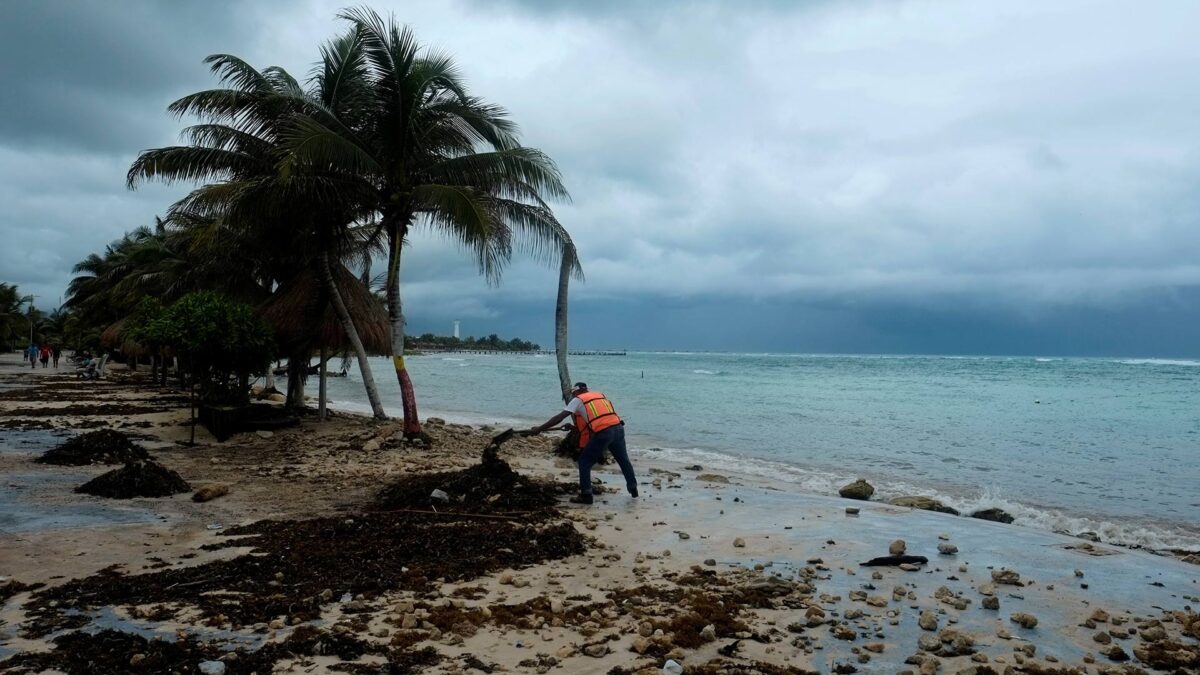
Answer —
222 343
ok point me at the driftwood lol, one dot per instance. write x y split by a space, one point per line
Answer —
892 560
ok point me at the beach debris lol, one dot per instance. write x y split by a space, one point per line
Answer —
1088 535
682 534
947 549
212 668
1007 576
928 620
210 492
922 503
111 651
896 561
672 667
739 543
694 467
490 487
103 446
897 547
713 478
852 510
859 489
991 602
1024 619
403 551
994 515
143 478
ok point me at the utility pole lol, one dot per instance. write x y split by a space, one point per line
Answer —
32 297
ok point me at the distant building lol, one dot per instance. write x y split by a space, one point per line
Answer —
456 335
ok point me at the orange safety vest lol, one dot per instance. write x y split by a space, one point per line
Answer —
598 415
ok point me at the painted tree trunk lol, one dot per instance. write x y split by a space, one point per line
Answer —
364 366
560 321
408 398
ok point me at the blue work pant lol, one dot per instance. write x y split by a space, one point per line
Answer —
613 440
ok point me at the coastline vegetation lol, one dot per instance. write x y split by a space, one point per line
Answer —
493 343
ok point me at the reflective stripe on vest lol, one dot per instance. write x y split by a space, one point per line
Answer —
598 415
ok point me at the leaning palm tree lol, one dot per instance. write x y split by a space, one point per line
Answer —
307 211
398 120
568 267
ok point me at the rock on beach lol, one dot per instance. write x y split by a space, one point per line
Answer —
859 489
923 503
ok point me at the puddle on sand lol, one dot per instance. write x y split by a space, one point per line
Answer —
30 441
31 502
109 618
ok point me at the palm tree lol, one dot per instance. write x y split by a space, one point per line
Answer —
398 120
301 211
568 267
13 320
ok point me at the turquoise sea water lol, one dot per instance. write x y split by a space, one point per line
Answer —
1107 445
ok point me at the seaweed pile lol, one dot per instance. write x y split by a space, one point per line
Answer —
117 653
142 478
295 567
103 446
489 487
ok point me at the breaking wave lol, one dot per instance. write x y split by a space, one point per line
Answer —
1158 362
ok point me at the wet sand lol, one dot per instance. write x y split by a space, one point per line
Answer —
722 577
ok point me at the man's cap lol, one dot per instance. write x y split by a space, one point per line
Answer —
579 385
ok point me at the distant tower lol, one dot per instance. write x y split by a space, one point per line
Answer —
455 329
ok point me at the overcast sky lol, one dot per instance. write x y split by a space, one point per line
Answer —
949 177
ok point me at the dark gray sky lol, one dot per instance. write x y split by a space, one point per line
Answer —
952 177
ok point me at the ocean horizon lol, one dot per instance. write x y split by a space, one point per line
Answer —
1069 444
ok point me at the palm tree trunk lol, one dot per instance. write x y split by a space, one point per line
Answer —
343 314
321 388
560 320
408 398
269 385
297 371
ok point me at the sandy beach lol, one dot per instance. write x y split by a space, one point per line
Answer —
721 573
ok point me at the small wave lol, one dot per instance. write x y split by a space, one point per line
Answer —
448 358
701 371
1041 360
1159 362
1155 536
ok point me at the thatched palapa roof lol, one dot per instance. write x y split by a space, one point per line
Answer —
302 316
114 337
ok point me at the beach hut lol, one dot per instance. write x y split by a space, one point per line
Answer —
304 320
114 337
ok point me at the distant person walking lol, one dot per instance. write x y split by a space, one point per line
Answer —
56 352
45 355
33 354
600 429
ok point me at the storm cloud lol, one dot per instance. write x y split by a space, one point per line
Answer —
1018 177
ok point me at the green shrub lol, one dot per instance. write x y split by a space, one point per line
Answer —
220 342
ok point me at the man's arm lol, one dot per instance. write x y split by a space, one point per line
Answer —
550 423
